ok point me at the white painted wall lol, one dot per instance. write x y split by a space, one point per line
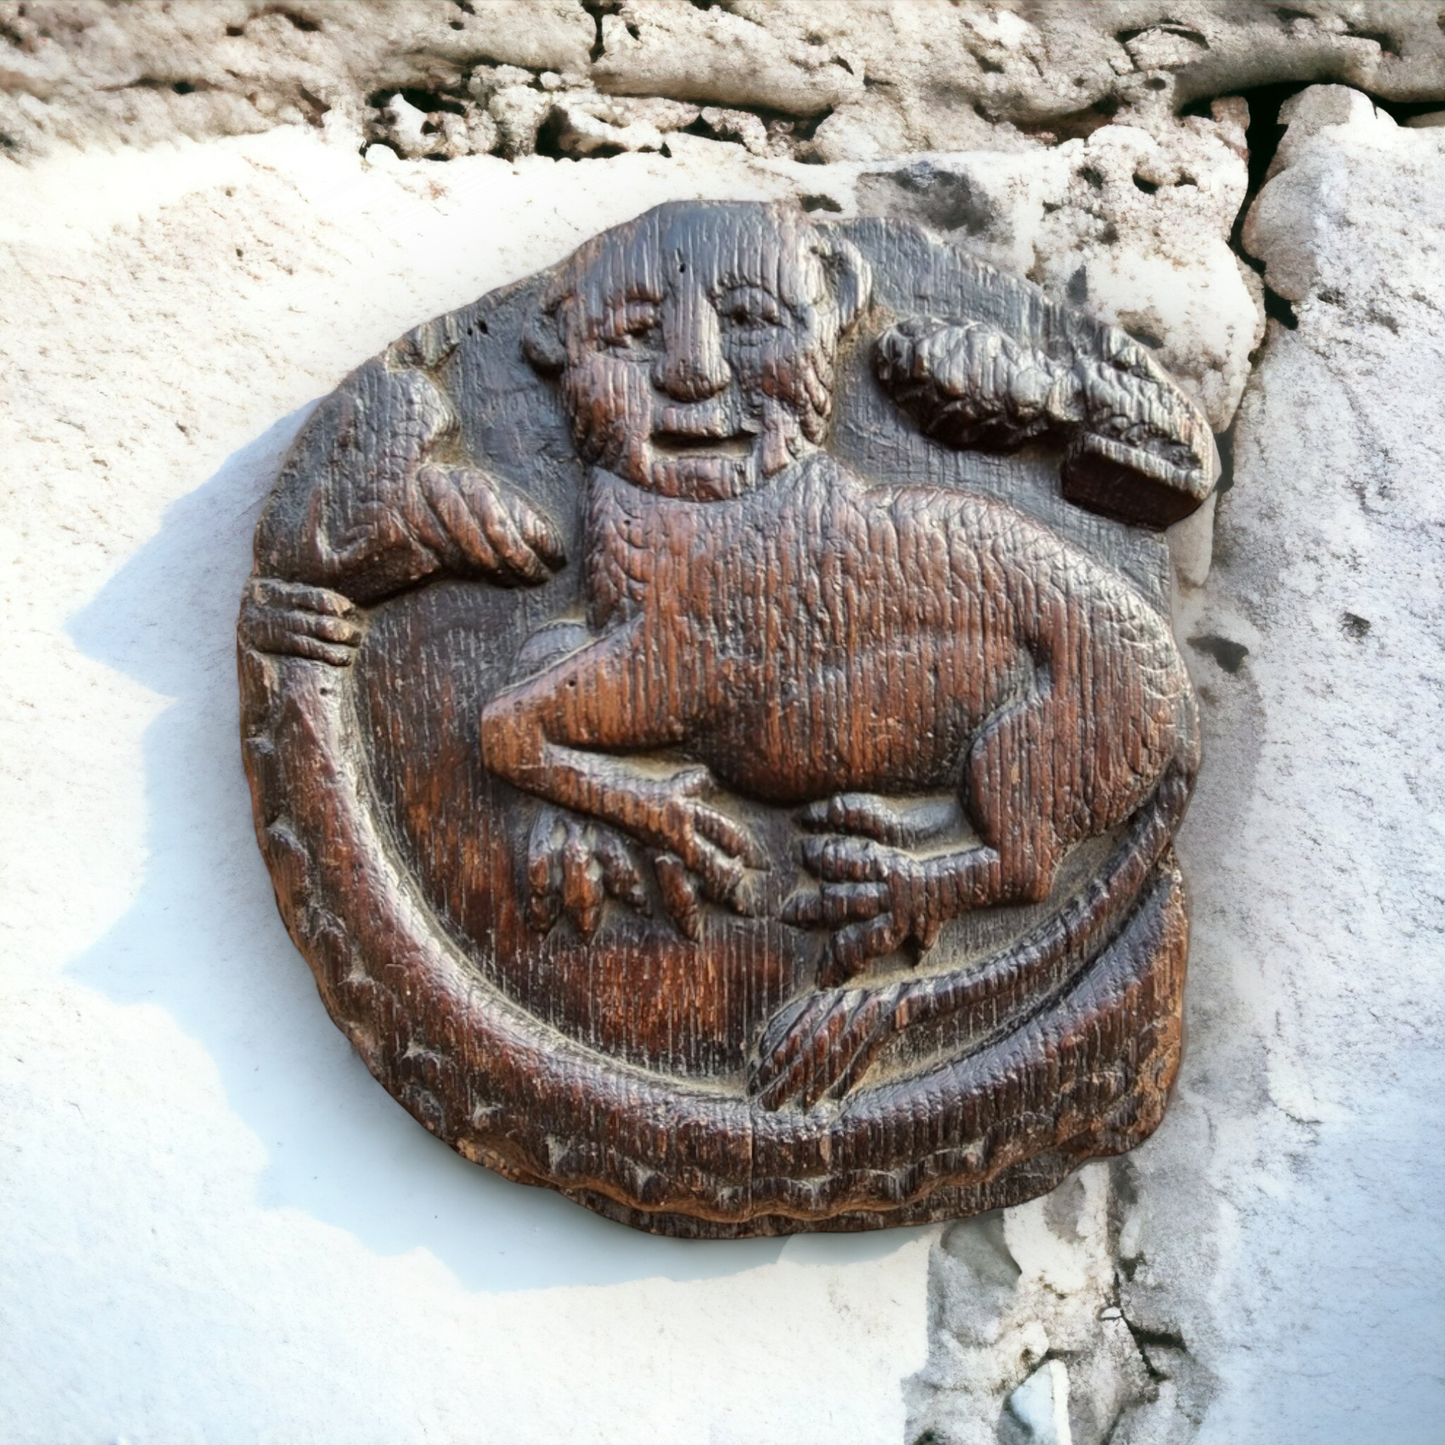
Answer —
218 1227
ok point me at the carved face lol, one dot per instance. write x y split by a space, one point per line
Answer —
698 345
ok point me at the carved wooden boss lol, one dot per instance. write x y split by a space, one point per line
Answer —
715 730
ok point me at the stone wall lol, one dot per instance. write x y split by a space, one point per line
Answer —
220 1228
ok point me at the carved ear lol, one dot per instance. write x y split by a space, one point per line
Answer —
852 280
542 342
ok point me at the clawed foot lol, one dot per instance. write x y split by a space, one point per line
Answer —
820 1046
701 851
293 620
574 866
698 854
875 898
885 821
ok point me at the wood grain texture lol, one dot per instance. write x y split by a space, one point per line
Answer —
715 729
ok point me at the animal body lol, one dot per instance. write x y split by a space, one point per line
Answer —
793 632
804 636
820 637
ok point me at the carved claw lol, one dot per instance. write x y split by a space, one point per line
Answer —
694 838
881 819
875 899
680 895
573 867
290 619
820 1046
842 858
494 530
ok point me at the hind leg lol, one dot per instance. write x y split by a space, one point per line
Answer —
1024 782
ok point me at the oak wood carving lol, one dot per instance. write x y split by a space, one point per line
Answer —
715 729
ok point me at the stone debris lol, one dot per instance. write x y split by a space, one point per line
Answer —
501 110
591 124
738 125
860 81
1030 1343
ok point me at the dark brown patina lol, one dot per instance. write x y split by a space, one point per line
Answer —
716 731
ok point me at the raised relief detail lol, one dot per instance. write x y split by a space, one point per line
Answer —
760 821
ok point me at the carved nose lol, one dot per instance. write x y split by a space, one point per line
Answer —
692 366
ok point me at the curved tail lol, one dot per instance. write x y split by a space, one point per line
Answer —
823 1043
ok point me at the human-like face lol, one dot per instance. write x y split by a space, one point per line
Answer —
700 349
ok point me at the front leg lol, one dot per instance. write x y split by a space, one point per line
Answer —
365 505
549 736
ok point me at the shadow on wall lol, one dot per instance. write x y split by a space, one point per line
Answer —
204 942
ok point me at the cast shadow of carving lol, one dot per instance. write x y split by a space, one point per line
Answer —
203 941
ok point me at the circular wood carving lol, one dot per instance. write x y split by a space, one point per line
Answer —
715 730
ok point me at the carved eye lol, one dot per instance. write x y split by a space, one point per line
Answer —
636 331
749 309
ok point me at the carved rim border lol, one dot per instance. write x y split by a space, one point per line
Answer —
660 1153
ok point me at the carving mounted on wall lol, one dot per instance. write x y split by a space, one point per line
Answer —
715 730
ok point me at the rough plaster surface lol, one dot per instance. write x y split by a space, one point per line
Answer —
218 1226
1268 1266
1316 851
850 81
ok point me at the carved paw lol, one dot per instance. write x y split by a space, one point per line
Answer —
493 530
702 852
820 1046
574 866
290 619
875 899
903 825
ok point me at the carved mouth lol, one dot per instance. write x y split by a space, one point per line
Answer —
679 444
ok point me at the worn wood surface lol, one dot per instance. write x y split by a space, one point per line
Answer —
715 730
